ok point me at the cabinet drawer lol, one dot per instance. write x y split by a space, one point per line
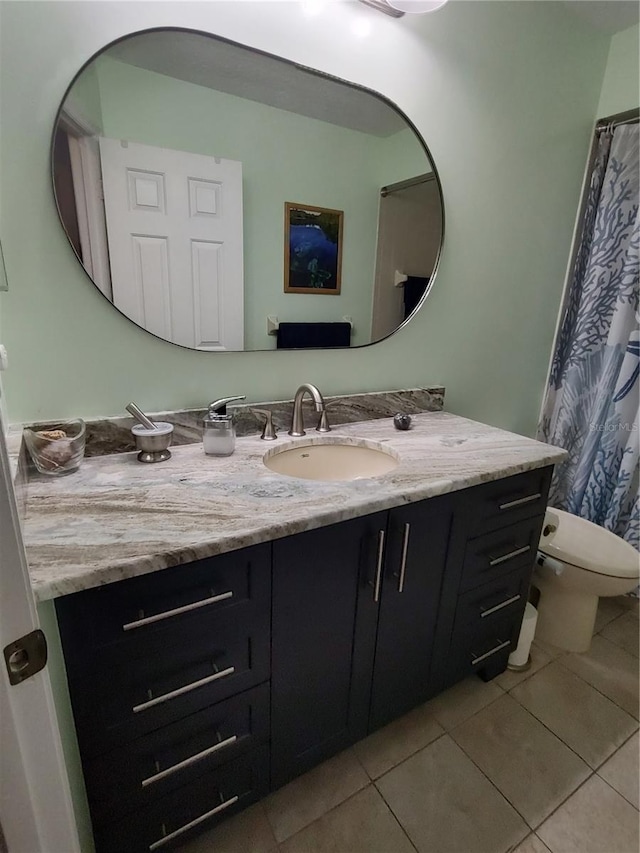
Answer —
509 500
138 773
494 554
169 677
485 650
171 820
119 613
492 602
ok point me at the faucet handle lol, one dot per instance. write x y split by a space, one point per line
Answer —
220 406
323 423
268 431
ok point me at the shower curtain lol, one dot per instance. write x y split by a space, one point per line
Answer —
591 402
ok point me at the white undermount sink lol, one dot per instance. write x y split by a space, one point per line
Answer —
331 459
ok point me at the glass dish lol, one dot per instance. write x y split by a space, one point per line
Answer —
56 448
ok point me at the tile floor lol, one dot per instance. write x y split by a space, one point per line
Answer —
532 762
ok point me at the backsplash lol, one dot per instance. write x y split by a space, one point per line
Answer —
113 435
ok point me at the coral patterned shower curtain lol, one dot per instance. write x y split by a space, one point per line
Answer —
591 403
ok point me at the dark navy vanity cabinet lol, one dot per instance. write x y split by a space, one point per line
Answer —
198 689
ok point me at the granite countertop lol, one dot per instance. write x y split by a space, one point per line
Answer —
116 518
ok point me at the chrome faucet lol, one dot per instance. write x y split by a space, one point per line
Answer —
297 422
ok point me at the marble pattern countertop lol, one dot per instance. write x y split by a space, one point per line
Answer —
116 518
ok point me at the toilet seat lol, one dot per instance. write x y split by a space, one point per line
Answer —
587 546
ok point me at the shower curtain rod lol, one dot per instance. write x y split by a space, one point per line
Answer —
410 182
608 123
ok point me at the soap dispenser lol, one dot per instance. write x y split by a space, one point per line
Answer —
219 434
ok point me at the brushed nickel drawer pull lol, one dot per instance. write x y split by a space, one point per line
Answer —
187 762
497 607
376 585
521 501
493 651
192 823
165 697
147 620
403 559
495 561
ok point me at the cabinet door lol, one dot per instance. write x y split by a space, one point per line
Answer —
324 625
414 565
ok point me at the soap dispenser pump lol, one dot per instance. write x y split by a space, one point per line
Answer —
219 434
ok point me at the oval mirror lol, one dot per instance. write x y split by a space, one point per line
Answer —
225 199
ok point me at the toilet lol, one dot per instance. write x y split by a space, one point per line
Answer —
578 562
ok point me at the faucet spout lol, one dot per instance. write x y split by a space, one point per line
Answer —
297 421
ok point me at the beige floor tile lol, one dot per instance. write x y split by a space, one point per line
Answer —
247 832
461 701
445 804
308 797
588 722
362 824
621 770
631 604
595 819
610 670
509 678
531 844
609 608
526 762
389 746
552 651
624 632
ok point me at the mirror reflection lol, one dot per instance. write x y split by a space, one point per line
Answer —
217 196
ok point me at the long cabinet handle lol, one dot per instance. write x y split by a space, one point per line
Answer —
403 557
495 561
167 614
521 501
166 697
493 651
187 762
497 607
167 838
379 562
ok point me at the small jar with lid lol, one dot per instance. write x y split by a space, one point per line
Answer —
219 433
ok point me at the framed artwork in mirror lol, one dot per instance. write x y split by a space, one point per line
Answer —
312 249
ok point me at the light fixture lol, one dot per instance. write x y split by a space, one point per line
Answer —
397 8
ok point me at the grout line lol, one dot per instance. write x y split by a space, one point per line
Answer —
337 806
325 813
569 747
560 805
406 758
397 820
617 704
529 675
635 805
475 713
502 794
571 795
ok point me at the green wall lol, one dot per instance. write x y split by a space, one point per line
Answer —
285 157
85 96
503 93
621 84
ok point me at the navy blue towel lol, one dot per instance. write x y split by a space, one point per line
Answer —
313 335
414 288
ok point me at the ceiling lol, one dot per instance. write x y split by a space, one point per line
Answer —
236 70
245 73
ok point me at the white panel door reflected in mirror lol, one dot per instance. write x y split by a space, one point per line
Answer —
174 154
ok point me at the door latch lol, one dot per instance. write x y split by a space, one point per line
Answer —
26 656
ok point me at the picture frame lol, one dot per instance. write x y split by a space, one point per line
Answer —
312 249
